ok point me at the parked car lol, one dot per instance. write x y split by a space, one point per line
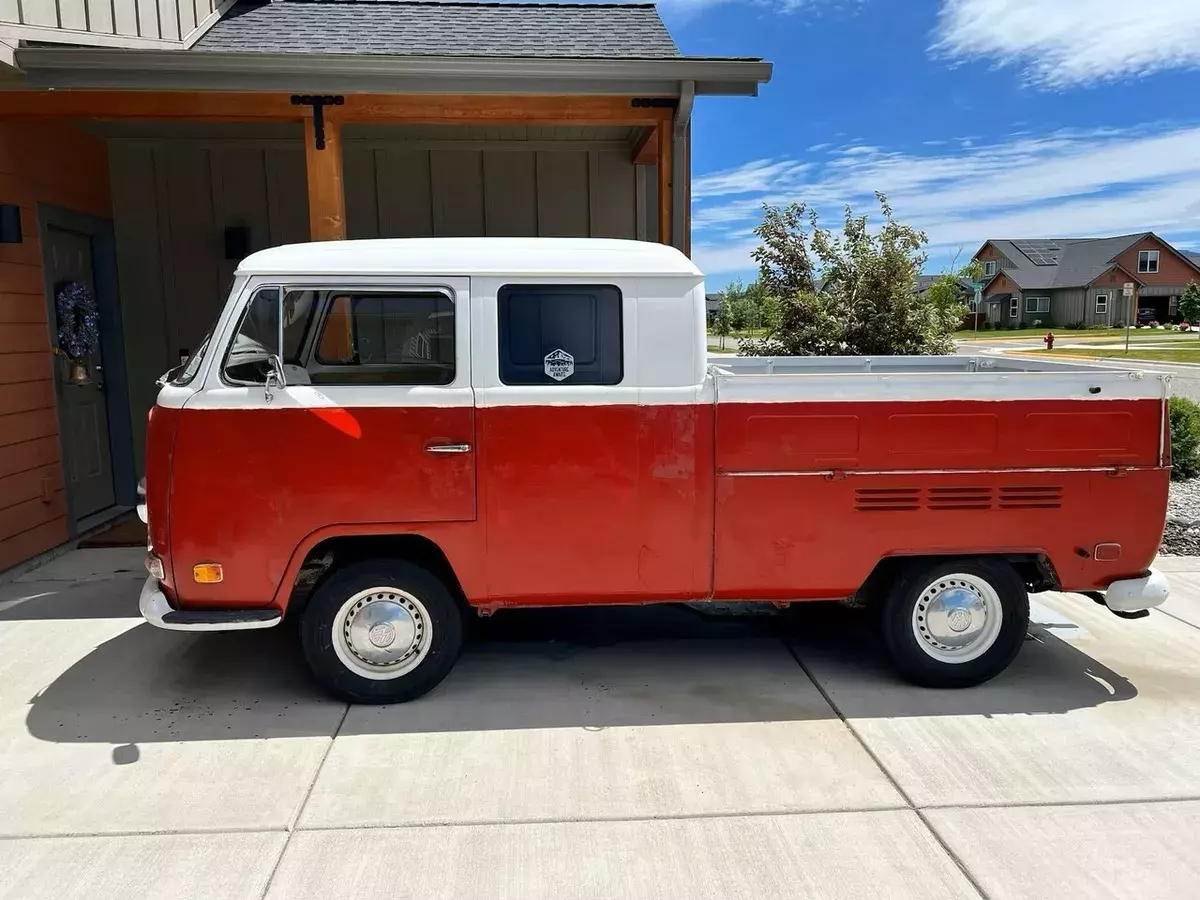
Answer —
383 437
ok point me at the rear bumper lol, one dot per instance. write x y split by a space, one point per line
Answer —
1133 594
158 611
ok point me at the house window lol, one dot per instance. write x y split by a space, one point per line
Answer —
1172 306
560 334
1014 308
1037 304
989 268
1148 261
1102 304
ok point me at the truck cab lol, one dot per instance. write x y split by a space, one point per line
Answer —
379 437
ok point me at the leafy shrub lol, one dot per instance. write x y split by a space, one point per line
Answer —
867 304
1077 326
1037 323
1185 439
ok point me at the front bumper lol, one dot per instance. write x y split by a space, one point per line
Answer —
158 611
1134 594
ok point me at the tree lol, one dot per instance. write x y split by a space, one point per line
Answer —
721 324
868 304
947 291
1189 304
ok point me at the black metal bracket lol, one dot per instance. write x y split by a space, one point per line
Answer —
654 103
318 102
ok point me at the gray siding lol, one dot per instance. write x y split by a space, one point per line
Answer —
1067 307
408 189
172 200
1118 307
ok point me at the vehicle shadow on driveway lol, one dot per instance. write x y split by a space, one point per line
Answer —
587 667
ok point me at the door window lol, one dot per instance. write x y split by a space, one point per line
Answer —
560 334
376 337
256 340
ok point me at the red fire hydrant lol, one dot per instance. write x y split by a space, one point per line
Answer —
1048 340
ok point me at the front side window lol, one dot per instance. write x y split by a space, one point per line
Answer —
256 340
1102 304
380 337
560 334
1148 261
1037 304
1014 308
989 268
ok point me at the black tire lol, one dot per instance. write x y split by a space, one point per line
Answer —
906 650
317 639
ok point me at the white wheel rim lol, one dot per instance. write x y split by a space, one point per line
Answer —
957 618
382 633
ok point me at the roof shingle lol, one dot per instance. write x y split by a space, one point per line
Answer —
443 28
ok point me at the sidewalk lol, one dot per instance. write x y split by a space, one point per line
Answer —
616 753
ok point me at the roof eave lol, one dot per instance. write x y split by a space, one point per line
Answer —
91 68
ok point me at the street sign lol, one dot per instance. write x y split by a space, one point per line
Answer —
1127 289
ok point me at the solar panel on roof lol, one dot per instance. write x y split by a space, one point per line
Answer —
1040 253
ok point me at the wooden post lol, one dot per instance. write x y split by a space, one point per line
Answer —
326 198
665 149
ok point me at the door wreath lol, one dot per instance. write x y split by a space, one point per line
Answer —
78 325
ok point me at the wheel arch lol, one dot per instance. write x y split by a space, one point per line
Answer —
1035 568
320 555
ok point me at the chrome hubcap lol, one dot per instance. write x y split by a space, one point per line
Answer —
957 618
382 633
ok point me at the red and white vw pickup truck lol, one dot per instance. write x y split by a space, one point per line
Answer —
379 437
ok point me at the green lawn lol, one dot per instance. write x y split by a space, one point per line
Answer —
1020 333
1087 334
1190 354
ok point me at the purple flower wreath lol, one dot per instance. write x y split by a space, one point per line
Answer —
78 319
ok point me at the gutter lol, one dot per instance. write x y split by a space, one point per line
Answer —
93 68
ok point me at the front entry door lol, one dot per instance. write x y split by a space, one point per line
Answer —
67 257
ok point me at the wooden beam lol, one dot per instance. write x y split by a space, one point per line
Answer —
664 181
645 151
326 197
427 109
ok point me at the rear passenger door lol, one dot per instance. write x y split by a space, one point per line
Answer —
558 422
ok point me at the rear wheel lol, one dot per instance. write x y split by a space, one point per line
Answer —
381 631
957 623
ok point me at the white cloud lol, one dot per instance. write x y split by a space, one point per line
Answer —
1067 183
1060 43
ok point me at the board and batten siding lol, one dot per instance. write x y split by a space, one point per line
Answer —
172 201
129 23
406 189
1068 306
53 163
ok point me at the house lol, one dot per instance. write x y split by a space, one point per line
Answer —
964 290
145 148
1071 281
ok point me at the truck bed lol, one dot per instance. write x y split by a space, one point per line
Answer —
837 462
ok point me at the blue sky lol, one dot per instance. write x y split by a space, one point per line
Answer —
979 118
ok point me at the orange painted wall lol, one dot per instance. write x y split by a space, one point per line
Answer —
40 162
1171 269
1002 285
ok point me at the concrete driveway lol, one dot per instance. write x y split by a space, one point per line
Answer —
636 753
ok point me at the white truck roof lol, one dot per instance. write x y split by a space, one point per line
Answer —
557 257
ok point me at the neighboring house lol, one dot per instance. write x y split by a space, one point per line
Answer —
712 306
145 148
1067 281
965 291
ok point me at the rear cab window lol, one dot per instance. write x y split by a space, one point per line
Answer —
560 334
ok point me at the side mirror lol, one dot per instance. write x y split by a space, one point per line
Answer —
275 378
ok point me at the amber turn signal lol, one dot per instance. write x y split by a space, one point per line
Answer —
207 573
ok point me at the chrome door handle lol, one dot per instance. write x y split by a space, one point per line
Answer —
448 448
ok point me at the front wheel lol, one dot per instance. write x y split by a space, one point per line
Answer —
957 623
381 631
